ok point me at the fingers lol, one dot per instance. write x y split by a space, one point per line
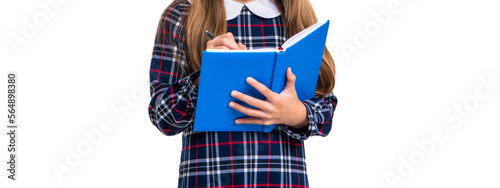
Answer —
226 40
221 48
242 46
270 95
263 105
253 120
290 83
246 110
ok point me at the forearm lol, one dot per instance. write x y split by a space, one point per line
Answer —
320 114
172 106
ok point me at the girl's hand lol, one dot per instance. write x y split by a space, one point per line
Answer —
283 108
226 42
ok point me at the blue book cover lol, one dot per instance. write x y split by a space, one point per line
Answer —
223 71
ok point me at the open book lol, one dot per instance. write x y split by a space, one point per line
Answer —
223 71
290 42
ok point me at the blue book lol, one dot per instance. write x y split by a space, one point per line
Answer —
223 71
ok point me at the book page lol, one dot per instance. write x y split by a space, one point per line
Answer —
252 50
299 36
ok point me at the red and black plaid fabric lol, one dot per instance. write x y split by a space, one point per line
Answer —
227 159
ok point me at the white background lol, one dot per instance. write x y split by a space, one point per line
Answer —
89 63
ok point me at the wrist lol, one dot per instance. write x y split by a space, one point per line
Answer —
303 120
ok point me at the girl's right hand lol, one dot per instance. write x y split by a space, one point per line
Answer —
226 42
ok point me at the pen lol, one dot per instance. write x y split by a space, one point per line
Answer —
211 35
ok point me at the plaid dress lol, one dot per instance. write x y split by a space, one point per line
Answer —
227 159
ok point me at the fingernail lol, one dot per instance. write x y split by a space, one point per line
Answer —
233 93
249 80
231 105
237 121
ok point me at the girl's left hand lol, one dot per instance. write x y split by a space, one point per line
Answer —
282 108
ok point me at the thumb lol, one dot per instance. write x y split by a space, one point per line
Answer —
290 83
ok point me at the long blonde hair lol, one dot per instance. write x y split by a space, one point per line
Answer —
207 15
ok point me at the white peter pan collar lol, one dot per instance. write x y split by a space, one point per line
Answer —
262 8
